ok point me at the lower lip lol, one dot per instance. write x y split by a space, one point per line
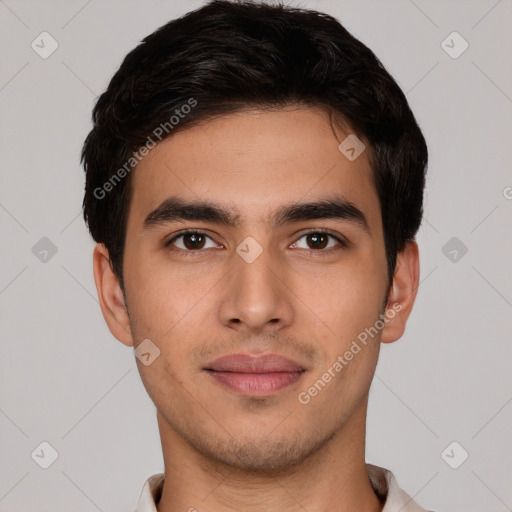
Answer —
256 384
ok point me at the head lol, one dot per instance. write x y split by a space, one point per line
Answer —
238 121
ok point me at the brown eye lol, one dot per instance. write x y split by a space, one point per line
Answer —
190 241
317 240
194 241
320 241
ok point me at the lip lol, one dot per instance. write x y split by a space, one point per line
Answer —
255 375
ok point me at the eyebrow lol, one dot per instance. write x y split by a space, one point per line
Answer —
175 209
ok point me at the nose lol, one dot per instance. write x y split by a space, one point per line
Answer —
256 296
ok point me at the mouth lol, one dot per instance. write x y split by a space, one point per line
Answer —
252 375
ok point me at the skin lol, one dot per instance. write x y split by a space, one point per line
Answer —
223 451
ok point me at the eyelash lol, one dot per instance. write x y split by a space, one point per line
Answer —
343 243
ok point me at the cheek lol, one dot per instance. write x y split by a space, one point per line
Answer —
163 296
346 297
348 301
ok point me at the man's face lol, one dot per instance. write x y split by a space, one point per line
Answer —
306 296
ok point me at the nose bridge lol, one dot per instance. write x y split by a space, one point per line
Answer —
254 267
255 293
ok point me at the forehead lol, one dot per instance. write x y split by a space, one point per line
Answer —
253 162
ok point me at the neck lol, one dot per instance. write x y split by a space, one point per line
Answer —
332 478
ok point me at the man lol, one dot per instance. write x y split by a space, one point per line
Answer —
254 183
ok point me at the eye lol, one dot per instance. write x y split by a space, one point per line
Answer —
191 240
319 240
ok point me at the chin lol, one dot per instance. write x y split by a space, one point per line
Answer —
265 456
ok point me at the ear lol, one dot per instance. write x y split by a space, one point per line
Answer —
402 293
111 296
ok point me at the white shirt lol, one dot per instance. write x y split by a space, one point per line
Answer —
382 480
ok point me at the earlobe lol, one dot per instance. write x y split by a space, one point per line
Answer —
402 293
110 296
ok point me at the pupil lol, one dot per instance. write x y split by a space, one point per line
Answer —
195 239
317 239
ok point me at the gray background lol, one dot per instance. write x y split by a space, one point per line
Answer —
66 381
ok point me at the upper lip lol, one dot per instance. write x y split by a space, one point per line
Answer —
249 363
